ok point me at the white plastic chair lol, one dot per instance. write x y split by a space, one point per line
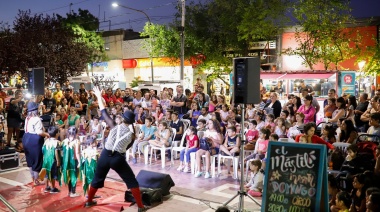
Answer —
341 146
194 167
235 164
178 148
162 149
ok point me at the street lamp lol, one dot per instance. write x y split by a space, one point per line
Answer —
150 23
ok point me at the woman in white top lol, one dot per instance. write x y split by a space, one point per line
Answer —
340 112
213 134
33 141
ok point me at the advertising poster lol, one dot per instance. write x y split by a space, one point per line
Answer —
346 83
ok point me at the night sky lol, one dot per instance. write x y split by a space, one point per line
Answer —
160 11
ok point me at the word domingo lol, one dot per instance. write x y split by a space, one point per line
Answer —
298 161
299 201
285 188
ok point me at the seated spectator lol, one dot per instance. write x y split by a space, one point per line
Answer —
374 123
231 144
162 136
95 127
373 201
330 107
269 122
333 190
309 130
178 125
261 145
365 117
140 118
340 112
252 135
158 114
192 145
343 201
285 115
255 185
259 117
280 128
194 113
204 114
273 137
353 161
214 136
168 116
348 132
307 109
358 193
328 133
224 112
201 125
147 133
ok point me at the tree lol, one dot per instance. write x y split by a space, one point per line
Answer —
322 33
85 26
42 41
218 26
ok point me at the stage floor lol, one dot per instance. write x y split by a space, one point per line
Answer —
188 194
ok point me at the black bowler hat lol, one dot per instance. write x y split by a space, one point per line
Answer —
129 117
32 106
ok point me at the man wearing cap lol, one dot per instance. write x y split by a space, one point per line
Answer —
119 140
33 141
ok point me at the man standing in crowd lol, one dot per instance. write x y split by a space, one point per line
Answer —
128 98
178 102
58 94
68 96
49 104
67 85
330 94
200 90
359 110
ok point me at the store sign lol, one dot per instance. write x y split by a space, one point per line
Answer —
264 45
346 84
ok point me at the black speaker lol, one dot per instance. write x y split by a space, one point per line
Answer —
247 80
148 179
36 81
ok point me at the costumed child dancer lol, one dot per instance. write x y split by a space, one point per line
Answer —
89 161
52 161
71 158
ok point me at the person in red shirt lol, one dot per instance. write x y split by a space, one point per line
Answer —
309 130
108 97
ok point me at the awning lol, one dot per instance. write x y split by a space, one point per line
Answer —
270 76
307 76
283 76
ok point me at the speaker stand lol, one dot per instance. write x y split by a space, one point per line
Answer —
241 193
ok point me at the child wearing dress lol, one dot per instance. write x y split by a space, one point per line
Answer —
70 162
51 161
89 160
255 185
192 145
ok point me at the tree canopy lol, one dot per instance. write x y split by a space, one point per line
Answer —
63 49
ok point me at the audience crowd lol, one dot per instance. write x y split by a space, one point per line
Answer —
208 125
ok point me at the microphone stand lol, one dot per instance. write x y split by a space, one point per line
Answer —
241 193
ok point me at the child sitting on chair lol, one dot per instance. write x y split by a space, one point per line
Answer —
255 184
231 146
192 145
261 145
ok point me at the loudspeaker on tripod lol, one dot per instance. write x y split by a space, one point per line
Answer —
246 80
36 81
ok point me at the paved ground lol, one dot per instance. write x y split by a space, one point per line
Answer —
188 194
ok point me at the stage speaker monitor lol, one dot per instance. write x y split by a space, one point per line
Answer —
148 179
246 80
36 81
